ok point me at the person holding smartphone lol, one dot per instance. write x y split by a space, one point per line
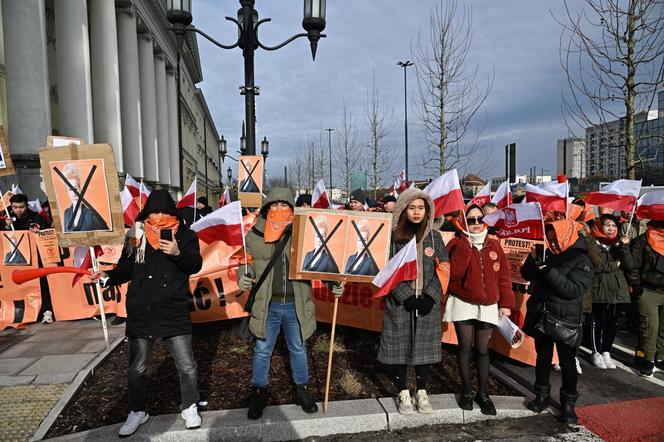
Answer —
157 266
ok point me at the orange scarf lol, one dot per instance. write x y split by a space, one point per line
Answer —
153 228
277 222
600 235
655 238
574 212
567 232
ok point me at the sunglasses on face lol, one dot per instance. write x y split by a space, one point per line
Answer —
475 220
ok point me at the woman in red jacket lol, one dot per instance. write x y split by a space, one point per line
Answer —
480 292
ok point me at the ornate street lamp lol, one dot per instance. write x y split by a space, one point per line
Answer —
229 173
265 147
313 22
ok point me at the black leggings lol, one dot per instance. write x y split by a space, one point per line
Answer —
399 375
604 326
466 331
544 348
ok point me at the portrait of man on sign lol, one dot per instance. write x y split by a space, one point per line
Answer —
320 259
362 261
16 247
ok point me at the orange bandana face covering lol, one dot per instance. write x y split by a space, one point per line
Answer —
600 235
655 238
277 222
153 228
567 233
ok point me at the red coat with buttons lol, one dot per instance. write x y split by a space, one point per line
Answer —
480 277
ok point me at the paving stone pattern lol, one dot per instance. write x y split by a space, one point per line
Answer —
23 408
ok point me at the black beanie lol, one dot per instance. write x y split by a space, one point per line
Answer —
305 198
159 201
358 195
203 200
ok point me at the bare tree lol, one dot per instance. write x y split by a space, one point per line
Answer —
379 121
297 170
348 148
449 94
612 53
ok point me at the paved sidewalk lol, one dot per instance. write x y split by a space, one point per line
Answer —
36 366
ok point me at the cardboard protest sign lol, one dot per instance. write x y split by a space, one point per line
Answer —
16 248
47 245
250 180
58 141
6 164
4 202
517 250
19 304
339 245
83 191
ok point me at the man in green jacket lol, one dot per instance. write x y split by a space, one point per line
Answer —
279 303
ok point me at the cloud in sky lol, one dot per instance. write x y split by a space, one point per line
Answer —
518 39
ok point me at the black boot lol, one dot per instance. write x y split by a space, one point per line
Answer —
466 401
567 413
485 403
257 402
302 397
542 399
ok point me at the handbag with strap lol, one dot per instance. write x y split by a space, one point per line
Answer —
559 329
279 249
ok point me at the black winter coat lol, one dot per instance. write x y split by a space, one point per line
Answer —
157 300
645 264
560 285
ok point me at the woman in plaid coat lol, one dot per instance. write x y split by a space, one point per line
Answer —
412 325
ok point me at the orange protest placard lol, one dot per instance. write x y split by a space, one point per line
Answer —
5 201
16 248
47 245
517 250
19 304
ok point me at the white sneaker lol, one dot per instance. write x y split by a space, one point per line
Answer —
555 367
598 361
422 402
48 317
191 417
608 362
404 403
134 420
578 366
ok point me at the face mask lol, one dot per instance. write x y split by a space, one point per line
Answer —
277 222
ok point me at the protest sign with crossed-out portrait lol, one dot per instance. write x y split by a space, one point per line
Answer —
334 245
6 164
250 180
83 191
16 250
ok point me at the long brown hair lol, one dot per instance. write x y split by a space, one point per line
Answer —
406 229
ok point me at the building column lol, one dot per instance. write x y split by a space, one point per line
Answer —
130 93
148 107
28 96
163 138
106 77
173 102
72 49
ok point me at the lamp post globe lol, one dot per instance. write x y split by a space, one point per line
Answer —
265 147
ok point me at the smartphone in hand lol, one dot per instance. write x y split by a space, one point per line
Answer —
166 234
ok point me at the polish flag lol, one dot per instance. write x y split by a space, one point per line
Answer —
83 260
551 196
651 206
482 197
402 267
223 224
36 207
503 196
189 198
618 195
225 198
446 193
130 209
319 199
399 184
137 190
517 220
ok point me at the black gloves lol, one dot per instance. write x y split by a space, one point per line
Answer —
411 303
637 291
426 305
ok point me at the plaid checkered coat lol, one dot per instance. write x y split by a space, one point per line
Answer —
406 339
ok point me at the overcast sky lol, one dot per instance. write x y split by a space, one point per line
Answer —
518 39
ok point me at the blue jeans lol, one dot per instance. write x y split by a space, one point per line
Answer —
280 315
181 351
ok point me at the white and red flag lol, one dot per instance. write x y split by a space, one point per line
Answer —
518 220
130 209
83 260
399 184
618 195
503 195
36 207
16 190
319 199
224 224
482 197
139 191
446 193
189 198
225 198
402 267
550 196
651 206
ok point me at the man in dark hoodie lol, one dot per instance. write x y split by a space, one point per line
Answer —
280 302
158 265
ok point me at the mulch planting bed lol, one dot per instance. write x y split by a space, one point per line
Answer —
224 369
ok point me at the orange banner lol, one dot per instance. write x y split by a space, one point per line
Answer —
19 305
